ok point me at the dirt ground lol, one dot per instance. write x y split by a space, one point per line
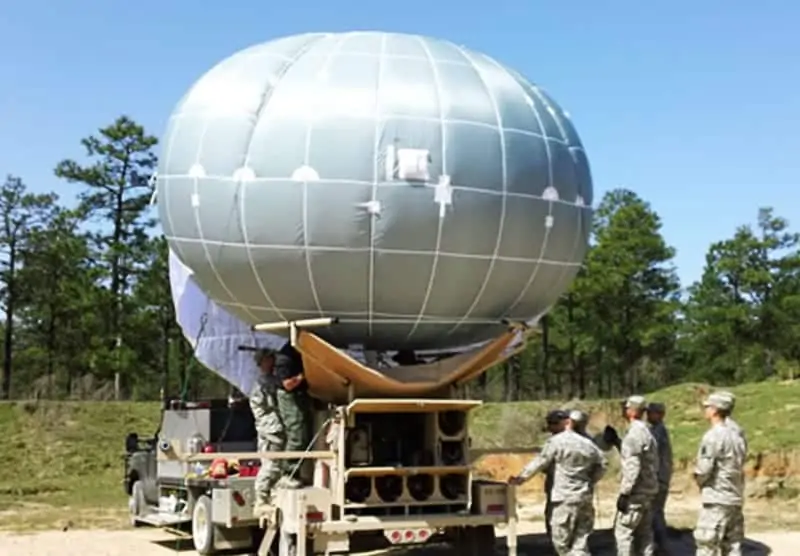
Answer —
158 543
767 535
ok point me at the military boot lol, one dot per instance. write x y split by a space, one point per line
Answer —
288 482
261 508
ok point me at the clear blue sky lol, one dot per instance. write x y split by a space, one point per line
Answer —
694 105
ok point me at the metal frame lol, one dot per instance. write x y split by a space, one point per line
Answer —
275 523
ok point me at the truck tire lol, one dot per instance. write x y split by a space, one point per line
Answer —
203 528
136 503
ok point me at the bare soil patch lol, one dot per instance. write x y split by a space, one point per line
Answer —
158 543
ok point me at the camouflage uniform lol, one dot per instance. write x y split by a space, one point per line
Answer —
271 434
731 424
294 406
719 473
734 426
577 467
549 473
633 528
661 434
553 417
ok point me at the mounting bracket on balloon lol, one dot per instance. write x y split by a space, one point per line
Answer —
293 325
515 325
413 166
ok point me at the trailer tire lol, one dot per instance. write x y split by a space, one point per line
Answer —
136 503
203 528
475 541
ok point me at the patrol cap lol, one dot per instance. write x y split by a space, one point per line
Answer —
261 353
636 402
579 416
656 407
718 400
555 416
728 396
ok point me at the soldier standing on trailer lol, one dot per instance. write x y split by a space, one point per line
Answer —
294 405
271 434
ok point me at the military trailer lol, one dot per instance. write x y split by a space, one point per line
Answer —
381 472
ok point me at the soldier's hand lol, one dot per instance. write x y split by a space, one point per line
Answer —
623 503
290 384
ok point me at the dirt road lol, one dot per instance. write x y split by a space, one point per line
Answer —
681 512
157 543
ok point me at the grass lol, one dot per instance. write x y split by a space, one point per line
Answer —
62 461
765 410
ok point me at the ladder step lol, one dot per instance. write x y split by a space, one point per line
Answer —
160 519
269 538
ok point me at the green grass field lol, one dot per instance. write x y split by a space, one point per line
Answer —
766 410
62 459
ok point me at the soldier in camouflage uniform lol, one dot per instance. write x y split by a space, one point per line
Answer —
271 434
734 426
578 465
655 416
578 421
294 405
555 422
633 529
731 424
719 473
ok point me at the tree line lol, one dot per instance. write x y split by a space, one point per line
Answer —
87 311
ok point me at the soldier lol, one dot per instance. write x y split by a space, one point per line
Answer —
578 466
733 425
633 529
579 420
719 473
271 434
554 424
655 416
294 405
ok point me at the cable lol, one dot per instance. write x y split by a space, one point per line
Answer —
187 375
309 447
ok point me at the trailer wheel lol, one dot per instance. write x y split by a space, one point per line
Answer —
475 541
136 503
202 526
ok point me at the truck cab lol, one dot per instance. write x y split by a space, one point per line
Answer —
140 473
165 490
